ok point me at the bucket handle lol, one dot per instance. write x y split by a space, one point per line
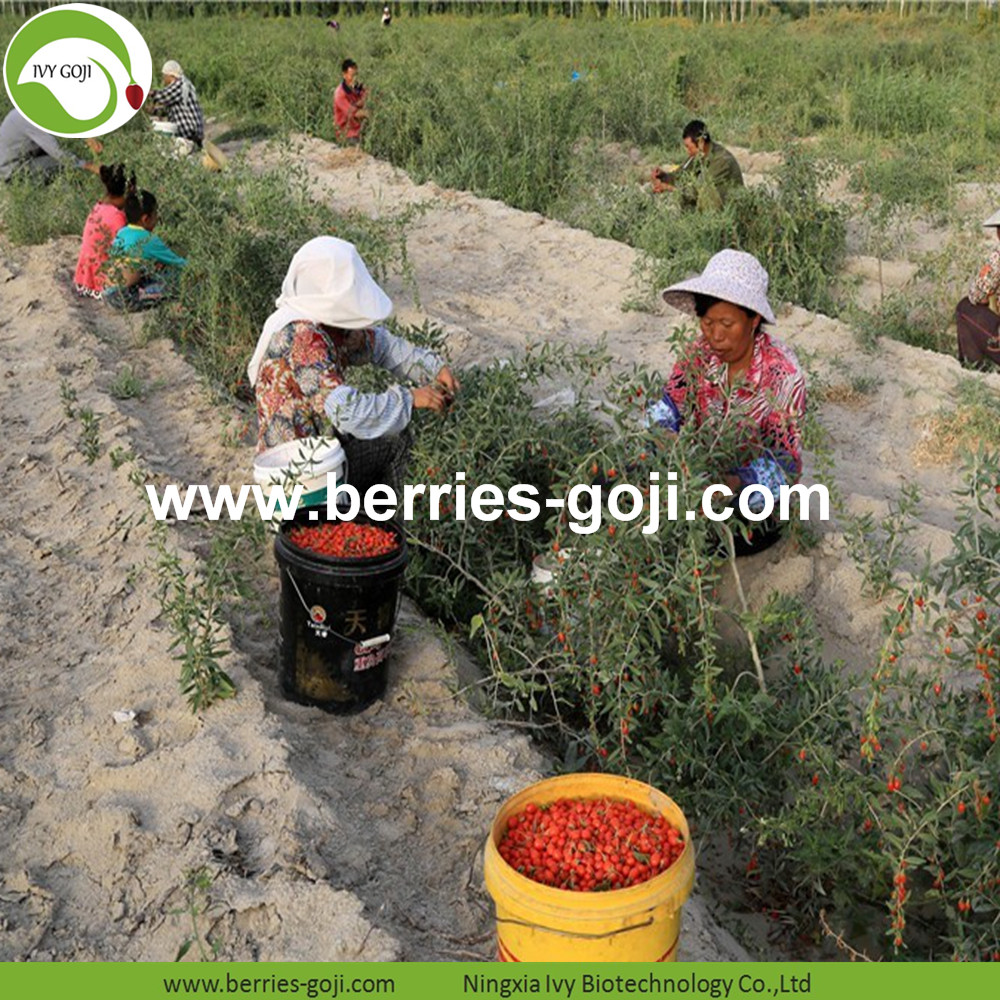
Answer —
577 934
308 611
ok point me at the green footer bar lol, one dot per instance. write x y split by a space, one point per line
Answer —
419 980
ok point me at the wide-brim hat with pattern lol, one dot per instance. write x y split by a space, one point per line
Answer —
731 276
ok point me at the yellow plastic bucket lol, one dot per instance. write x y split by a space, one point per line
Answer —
539 923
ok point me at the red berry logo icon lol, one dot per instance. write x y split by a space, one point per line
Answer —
134 95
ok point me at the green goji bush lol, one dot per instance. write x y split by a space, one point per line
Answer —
867 792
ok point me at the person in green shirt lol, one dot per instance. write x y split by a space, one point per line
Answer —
709 176
142 270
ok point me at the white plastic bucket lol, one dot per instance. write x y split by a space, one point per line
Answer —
545 569
163 126
305 462
548 567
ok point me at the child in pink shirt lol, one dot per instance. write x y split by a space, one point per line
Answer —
103 223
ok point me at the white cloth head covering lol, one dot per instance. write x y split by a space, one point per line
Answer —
993 220
327 282
173 68
731 276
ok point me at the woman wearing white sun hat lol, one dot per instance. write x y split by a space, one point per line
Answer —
327 319
736 372
978 314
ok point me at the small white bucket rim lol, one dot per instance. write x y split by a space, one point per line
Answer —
306 461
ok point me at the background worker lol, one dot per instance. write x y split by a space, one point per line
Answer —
24 146
142 270
106 218
978 314
349 110
710 175
742 382
178 100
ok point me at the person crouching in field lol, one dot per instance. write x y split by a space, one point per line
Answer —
143 269
101 227
178 100
26 149
737 376
978 314
710 175
349 110
328 319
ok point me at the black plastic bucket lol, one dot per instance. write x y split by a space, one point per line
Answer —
337 620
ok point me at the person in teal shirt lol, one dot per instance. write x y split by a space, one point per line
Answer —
142 269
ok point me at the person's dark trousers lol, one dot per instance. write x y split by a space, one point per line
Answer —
978 327
377 462
761 535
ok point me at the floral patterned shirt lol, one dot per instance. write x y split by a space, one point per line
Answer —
987 282
768 404
300 386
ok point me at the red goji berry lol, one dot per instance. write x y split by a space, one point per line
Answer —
344 540
586 845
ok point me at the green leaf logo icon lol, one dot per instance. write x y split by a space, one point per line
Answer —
77 70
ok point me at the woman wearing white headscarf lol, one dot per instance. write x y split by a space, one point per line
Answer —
178 100
327 319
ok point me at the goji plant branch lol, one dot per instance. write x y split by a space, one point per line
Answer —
754 654
461 569
838 940
817 712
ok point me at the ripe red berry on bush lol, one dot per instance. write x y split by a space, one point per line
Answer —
589 845
344 540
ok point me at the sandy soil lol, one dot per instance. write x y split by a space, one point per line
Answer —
496 278
325 838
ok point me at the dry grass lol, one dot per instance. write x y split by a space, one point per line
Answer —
843 394
849 387
974 422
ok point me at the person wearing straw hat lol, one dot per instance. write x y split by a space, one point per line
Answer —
178 100
736 374
328 318
978 314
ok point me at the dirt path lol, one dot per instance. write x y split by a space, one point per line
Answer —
324 838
